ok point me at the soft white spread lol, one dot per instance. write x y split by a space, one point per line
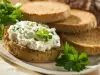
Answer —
24 33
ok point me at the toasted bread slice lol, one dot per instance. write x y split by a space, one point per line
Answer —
79 21
88 42
45 11
27 54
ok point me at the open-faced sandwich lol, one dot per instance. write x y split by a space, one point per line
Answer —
31 41
34 41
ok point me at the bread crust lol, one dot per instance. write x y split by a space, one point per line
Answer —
48 15
27 54
80 42
84 21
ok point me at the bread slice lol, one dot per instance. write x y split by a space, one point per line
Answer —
88 42
45 11
27 54
79 21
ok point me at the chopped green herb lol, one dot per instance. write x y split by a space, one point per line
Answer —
31 24
71 60
43 34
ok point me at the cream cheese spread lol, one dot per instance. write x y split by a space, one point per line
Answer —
36 36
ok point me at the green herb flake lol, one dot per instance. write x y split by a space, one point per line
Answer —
43 34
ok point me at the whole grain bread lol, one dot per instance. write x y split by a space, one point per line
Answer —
88 42
27 54
79 21
45 11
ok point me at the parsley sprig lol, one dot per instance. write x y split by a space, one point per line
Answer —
9 14
71 60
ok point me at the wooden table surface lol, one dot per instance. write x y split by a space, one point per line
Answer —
20 71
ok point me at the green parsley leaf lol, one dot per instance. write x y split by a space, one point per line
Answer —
4 1
69 49
71 60
9 14
1 30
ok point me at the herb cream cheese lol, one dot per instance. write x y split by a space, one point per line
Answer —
36 36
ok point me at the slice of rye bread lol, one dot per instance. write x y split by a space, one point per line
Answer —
27 54
79 21
45 11
88 42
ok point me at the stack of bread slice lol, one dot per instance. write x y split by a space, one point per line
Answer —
77 27
80 30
